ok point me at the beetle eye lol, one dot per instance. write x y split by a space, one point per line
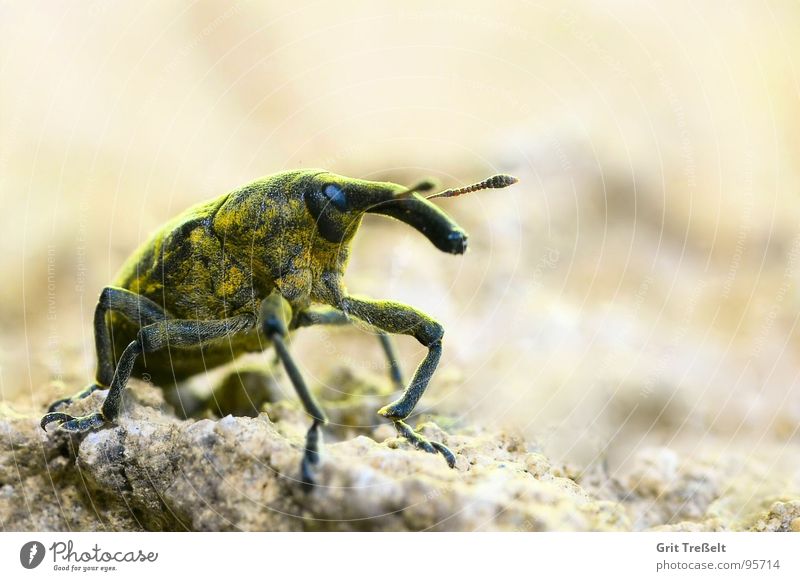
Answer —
336 196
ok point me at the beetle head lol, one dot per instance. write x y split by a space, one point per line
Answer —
337 204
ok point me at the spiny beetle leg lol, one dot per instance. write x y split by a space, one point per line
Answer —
73 424
423 444
80 395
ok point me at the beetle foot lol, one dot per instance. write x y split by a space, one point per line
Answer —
73 424
423 444
311 456
308 469
80 395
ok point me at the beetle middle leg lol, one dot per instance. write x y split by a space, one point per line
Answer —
170 332
331 316
394 317
275 314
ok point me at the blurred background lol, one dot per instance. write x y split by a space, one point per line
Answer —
638 287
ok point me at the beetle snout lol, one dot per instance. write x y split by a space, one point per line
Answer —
428 219
457 241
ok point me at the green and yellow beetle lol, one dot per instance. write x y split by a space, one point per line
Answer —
238 273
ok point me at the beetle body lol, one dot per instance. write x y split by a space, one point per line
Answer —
238 273
222 258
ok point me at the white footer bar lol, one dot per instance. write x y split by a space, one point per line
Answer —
355 556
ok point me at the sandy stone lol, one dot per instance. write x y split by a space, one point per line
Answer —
154 471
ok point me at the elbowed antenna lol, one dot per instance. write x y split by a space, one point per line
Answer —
494 182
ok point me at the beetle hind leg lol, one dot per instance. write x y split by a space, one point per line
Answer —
110 408
135 308
84 393
172 332
73 424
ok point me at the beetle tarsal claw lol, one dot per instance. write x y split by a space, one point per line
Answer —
423 444
73 424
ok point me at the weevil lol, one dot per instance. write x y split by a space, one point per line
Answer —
238 273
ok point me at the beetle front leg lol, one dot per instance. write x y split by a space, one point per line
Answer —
394 317
173 333
331 316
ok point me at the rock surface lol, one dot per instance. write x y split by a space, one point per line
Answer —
153 471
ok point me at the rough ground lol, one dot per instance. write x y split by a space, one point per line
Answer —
154 471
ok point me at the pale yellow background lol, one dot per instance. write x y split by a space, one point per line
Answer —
638 287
